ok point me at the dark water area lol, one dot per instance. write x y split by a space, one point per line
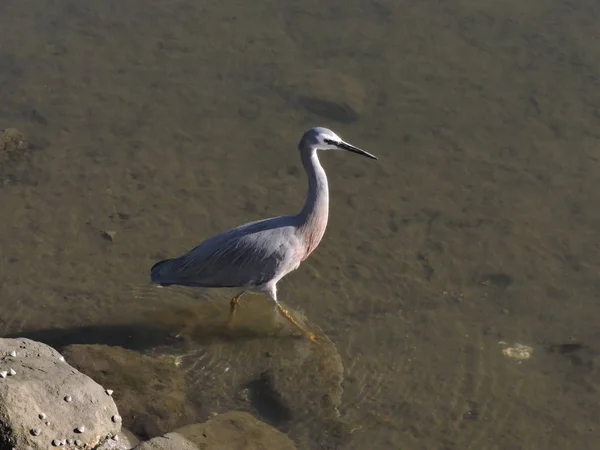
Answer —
475 232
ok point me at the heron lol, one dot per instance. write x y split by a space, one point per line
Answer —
255 256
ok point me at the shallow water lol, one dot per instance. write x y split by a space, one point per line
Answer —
166 122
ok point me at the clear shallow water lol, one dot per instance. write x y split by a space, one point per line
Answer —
170 121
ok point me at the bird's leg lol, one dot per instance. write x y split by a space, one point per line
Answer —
272 292
232 306
285 313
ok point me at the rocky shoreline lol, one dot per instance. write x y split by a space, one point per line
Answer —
45 403
220 394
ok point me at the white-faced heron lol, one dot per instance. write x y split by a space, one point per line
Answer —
255 256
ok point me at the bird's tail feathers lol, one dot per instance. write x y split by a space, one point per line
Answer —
159 271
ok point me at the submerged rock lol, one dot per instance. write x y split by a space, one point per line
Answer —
233 430
15 158
332 95
12 144
309 379
150 392
33 413
259 367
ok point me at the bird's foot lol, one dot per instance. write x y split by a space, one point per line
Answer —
309 334
234 302
313 337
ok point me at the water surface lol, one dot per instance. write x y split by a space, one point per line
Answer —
166 122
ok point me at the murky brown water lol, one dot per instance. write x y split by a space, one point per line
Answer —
167 122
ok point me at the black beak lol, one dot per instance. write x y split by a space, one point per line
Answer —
353 149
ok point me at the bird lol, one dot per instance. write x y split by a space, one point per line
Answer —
255 256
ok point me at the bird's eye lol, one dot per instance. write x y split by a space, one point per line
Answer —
329 141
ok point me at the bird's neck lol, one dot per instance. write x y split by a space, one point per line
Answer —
314 214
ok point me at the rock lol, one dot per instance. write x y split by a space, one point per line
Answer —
12 144
125 440
329 94
170 441
15 158
150 392
318 370
289 382
25 348
128 438
109 235
284 380
37 389
304 386
233 430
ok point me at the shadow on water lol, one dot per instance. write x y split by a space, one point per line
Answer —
140 337
267 402
133 337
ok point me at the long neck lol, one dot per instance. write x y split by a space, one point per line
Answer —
314 213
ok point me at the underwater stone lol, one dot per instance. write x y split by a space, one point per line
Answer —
42 416
36 431
109 392
13 353
140 382
12 372
80 429
225 431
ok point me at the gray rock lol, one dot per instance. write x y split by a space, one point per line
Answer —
125 440
25 348
170 441
233 430
41 381
150 392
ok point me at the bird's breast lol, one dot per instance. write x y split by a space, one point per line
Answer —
311 234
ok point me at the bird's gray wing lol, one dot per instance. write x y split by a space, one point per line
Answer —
246 256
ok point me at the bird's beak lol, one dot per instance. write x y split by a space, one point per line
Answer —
351 148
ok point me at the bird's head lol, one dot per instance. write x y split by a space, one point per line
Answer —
320 138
